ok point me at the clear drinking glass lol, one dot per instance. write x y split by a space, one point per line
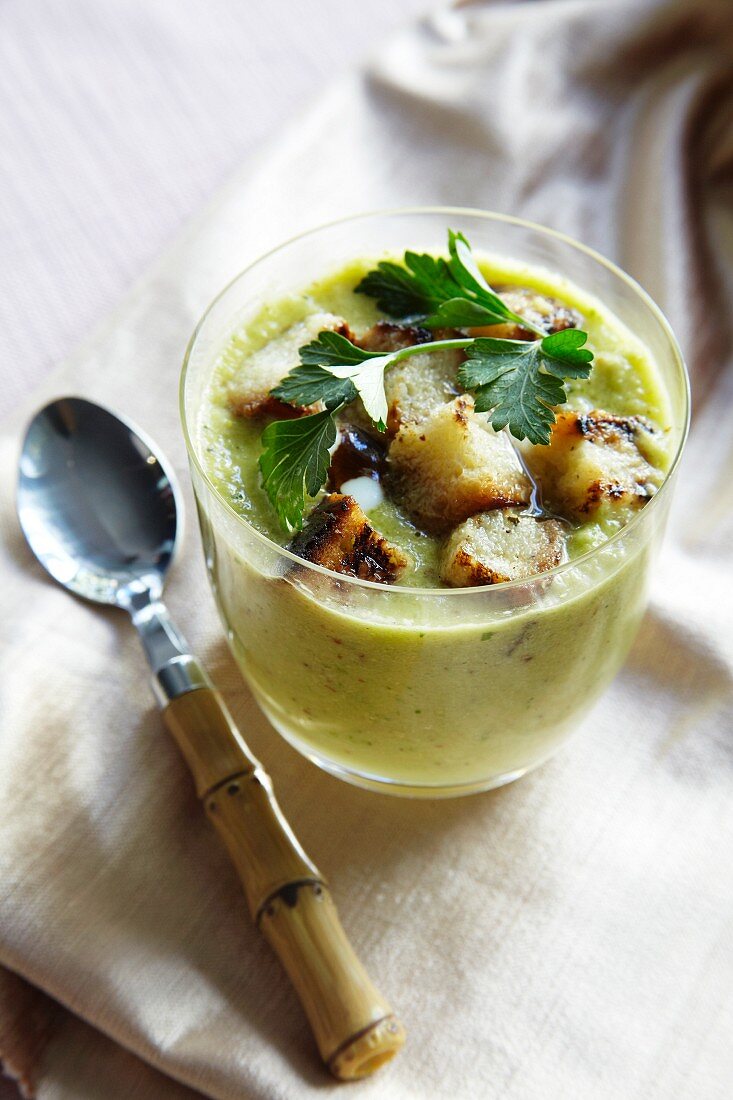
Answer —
415 691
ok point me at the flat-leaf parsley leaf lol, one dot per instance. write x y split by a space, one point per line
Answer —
439 293
521 381
295 461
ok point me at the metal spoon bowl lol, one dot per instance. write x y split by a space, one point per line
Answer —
98 506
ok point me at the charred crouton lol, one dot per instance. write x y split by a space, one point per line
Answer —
249 390
549 314
596 461
338 536
501 545
451 465
389 336
417 386
358 454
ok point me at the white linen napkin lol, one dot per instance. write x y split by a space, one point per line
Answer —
568 936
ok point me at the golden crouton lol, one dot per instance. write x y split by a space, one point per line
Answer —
339 536
249 390
549 314
595 461
420 385
453 464
417 386
501 545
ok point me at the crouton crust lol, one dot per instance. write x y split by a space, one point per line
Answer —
249 390
339 537
549 314
501 545
601 427
595 460
266 408
451 465
389 336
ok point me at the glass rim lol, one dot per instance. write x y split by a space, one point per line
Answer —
459 211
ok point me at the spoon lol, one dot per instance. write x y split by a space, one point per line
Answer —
100 509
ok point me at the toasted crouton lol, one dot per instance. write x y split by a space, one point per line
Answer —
453 464
391 336
501 545
339 536
418 385
549 314
595 461
249 390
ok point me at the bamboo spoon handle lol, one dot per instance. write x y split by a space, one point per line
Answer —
288 898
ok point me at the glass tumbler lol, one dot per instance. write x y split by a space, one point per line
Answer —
426 692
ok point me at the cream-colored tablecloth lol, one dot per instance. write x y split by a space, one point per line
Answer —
569 936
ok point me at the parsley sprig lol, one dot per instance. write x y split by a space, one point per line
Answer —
294 463
335 371
518 381
439 293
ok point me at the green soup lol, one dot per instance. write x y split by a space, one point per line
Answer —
420 690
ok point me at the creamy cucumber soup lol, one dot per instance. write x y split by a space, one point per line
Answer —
422 556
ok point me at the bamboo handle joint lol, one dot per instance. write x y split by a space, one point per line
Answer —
288 898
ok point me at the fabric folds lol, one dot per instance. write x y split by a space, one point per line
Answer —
568 936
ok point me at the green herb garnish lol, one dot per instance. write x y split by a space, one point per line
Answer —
295 461
522 380
334 370
439 293
519 381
